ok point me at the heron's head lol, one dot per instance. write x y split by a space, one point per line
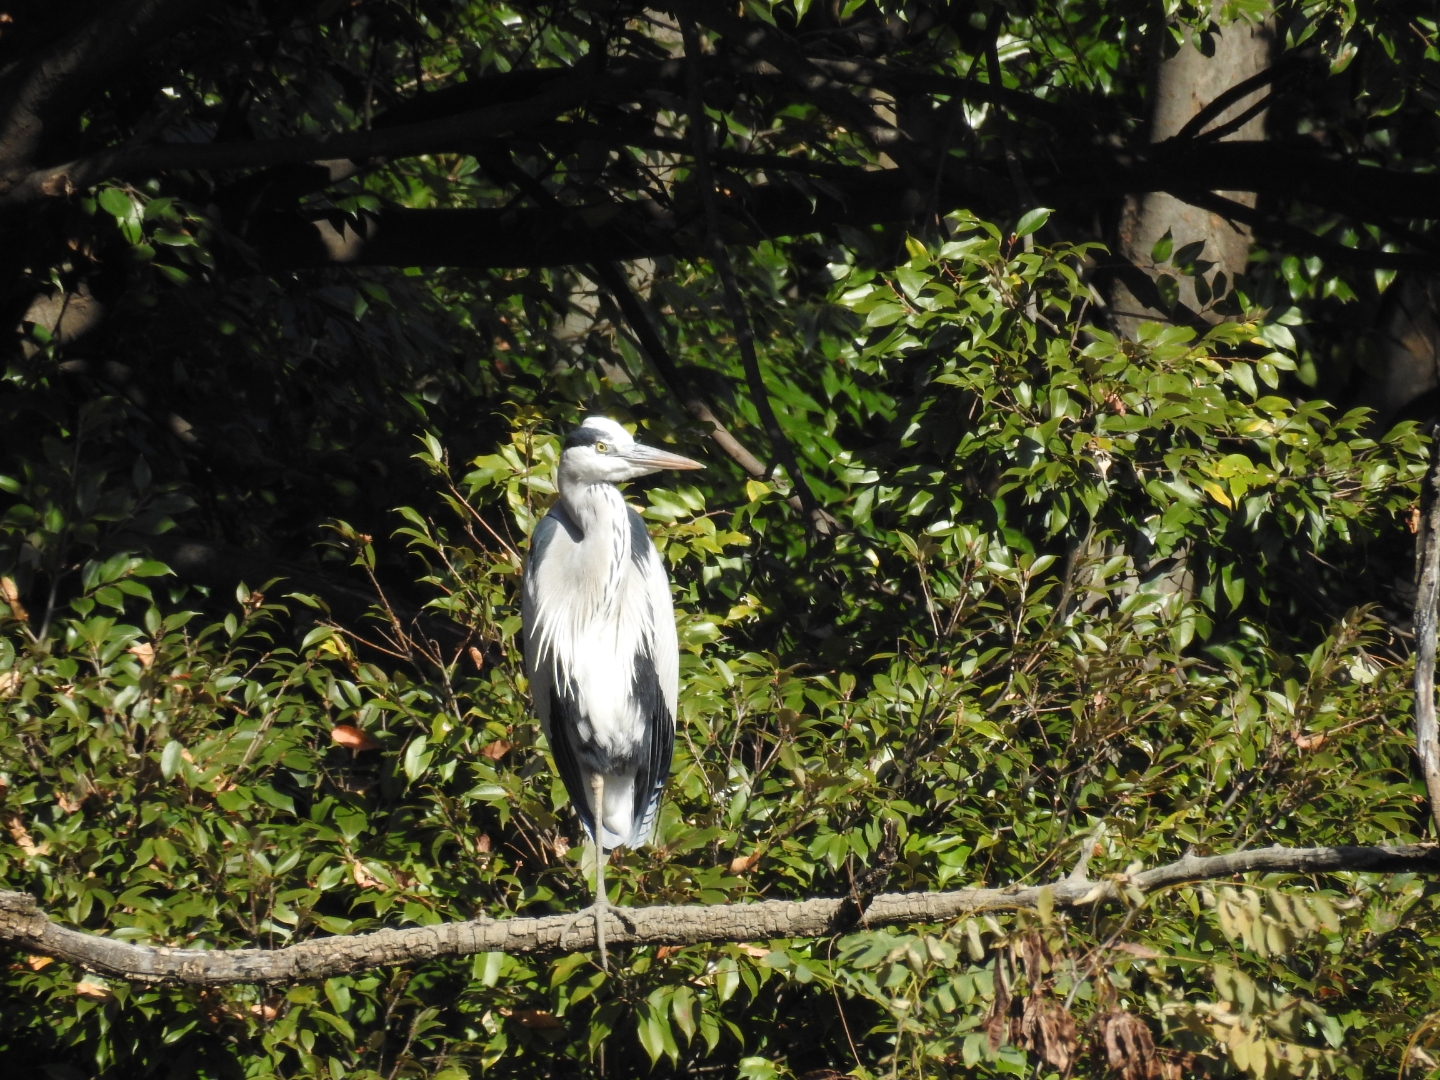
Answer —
601 451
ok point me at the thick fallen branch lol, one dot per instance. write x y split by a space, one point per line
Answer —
1427 594
24 925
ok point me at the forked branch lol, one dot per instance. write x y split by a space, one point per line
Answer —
24 925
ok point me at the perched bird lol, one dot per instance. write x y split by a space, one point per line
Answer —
600 644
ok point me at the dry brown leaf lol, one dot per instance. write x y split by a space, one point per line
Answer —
23 840
495 750
144 652
1047 1027
93 991
754 950
10 682
11 595
477 658
1412 519
1058 1044
1309 742
1035 954
664 952
997 1019
67 802
744 863
35 963
560 846
1129 1046
363 878
264 1012
356 739
482 844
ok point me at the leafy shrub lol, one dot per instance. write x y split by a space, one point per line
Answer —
1062 622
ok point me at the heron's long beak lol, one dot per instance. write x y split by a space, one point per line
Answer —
647 457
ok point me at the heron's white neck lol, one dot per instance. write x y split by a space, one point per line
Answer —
598 510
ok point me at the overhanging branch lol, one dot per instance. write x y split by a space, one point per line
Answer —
522 237
52 87
450 133
24 925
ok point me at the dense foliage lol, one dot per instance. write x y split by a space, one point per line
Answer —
1089 599
979 662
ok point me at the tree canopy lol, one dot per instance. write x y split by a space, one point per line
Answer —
1038 534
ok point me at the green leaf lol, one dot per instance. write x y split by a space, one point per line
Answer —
171 759
1032 221
1160 253
116 203
417 759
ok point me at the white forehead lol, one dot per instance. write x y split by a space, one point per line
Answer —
608 429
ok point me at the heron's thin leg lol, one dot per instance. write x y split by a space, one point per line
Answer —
600 907
597 790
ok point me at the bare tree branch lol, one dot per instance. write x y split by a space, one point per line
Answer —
613 279
25 926
816 520
1427 594
762 41
428 137
620 231
52 88
1298 238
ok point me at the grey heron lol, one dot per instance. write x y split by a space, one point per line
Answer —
600 645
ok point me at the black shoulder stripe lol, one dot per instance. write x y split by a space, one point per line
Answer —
564 723
640 544
657 749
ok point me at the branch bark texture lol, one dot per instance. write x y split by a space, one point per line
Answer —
1191 91
24 925
1427 598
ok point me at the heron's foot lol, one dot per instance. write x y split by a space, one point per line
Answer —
597 911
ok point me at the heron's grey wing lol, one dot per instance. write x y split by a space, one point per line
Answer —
550 685
656 689
564 723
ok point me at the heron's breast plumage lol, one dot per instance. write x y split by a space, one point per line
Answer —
592 625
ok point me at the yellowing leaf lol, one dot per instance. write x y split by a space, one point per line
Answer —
1216 492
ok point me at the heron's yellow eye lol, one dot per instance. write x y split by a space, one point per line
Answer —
601 448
